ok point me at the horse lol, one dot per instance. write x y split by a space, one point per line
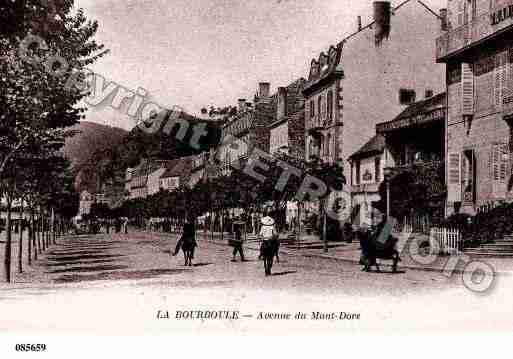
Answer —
188 245
373 250
269 250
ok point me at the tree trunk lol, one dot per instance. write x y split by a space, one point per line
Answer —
38 234
20 243
31 238
8 243
323 223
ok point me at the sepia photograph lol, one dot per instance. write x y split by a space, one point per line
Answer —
254 167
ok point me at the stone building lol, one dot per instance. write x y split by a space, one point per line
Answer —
249 128
287 132
368 77
177 173
477 49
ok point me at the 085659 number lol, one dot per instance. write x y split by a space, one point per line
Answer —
30 347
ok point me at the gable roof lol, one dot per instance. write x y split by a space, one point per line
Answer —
374 146
177 168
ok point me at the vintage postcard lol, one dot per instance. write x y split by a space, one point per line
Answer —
266 167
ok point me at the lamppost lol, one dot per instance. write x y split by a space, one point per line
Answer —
387 172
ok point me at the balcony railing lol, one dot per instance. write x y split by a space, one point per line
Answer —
478 29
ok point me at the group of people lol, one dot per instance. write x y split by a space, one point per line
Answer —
268 235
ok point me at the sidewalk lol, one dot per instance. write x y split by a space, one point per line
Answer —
311 246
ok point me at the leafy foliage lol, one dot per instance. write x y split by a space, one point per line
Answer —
418 189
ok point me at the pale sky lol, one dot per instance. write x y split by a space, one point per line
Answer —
193 53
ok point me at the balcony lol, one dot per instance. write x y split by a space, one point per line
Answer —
483 27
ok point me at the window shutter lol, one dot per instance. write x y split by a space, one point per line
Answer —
467 93
499 78
454 177
503 151
495 162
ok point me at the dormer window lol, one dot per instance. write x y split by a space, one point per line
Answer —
333 56
323 61
314 69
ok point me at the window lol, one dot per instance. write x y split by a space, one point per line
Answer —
468 176
329 104
407 96
319 104
357 174
327 145
312 109
377 169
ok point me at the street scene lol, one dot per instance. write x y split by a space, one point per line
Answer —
353 159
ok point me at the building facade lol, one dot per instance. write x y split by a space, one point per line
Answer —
370 76
86 201
247 130
367 173
287 132
477 48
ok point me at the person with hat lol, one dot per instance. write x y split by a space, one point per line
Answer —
267 231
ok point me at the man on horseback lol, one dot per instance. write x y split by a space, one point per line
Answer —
188 235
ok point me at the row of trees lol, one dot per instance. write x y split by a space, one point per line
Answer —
220 192
41 85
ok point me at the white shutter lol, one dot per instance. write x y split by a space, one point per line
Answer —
495 162
499 78
506 78
467 90
503 152
454 177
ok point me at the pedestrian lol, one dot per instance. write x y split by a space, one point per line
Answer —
237 241
267 231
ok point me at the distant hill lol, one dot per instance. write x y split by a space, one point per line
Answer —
83 150
100 154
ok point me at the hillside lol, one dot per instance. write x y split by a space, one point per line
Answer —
83 150
100 154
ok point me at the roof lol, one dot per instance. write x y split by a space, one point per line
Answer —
294 101
421 112
328 65
423 106
177 168
374 146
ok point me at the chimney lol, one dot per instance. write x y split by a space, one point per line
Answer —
242 105
444 23
382 15
264 89
282 102
429 93
359 19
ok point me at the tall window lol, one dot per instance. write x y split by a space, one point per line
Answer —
312 109
377 169
327 145
357 173
319 105
329 104
468 174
